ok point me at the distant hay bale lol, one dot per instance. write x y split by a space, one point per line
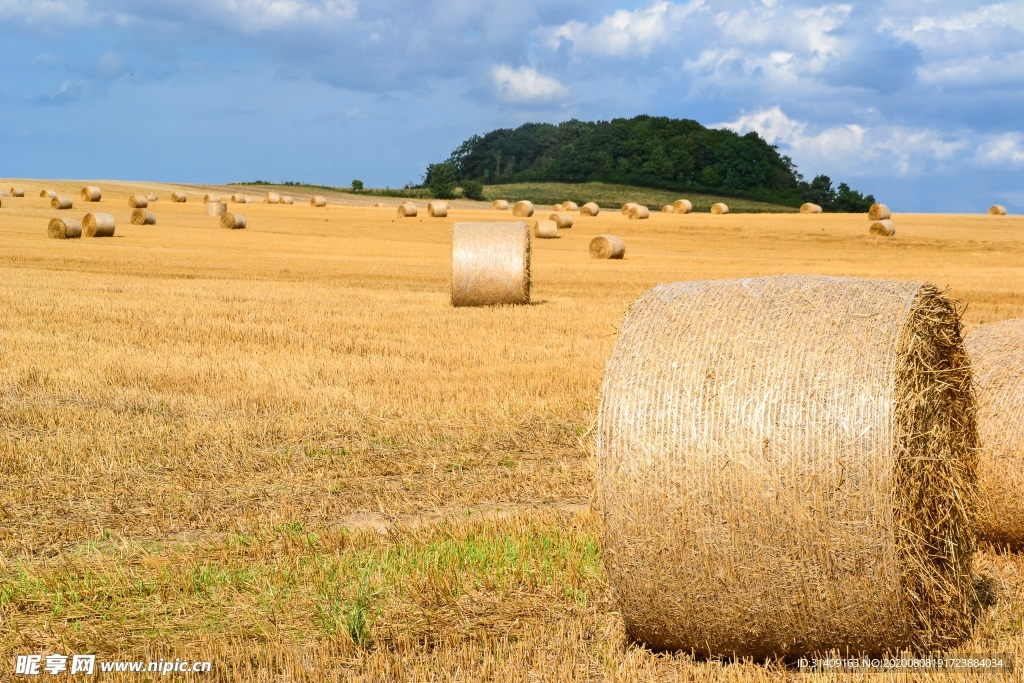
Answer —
590 209
607 247
638 212
98 225
378 205
61 203
17 192
143 217
994 210
562 220
682 205
719 208
287 199
47 193
997 357
207 198
239 199
406 210
318 201
178 197
556 207
878 212
152 197
500 205
668 208
64 229
437 209
523 209
884 227
625 208
90 193
490 264
272 198
775 482
545 230
233 221
215 209
138 201
568 206
808 207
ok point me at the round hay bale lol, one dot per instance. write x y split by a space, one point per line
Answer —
590 209
607 247
137 201
490 264
682 206
545 230
98 225
556 207
233 221
523 209
878 212
884 227
91 193
207 198
178 197
318 201
562 220
568 206
378 205
239 199
64 229
437 209
143 217
997 357
500 205
668 208
406 210
626 208
61 203
152 197
786 465
47 193
287 199
994 210
216 209
17 192
638 212
808 207
272 198
719 208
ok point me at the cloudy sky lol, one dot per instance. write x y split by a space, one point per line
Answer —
917 101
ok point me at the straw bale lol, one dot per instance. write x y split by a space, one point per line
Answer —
240 199
668 208
556 207
683 205
287 199
234 221
787 465
568 206
58 202
98 225
808 207
378 205
207 198
638 212
152 197
490 264
523 209
719 208
272 198
437 209
626 208
143 217
884 227
406 210
545 230
994 210
47 193
64 229
216 209
17 192
878 212
562 220
138 201
590 209
318 201
997 357
500 205
607 246
91 193
178 197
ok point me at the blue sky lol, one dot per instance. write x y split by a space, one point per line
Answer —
916 101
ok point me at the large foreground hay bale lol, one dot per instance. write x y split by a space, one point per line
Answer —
138 201
607 246
178 197
569 206
994 210
64 229
143 217
233 221
490 264
17 191
239 199
523 209
878 212
407 210
47 193
787 465
638 212
272 198
437 209
884 227
61 203
719 208
500 205
590 209
545 229
809 207
91 193
216 209
997 356
318 201
682 205
98 225
562 220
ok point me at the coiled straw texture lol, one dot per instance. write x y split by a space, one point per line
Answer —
490 264
607 246
143 217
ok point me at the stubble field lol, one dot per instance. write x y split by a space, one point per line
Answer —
281 450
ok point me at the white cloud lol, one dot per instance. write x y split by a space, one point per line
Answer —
261 14
61 12
624 33
525 85
1001 151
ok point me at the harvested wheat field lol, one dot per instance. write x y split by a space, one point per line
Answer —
282 450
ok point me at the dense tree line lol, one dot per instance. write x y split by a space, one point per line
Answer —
648 151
